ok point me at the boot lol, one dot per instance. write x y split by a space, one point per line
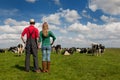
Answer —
48 66
44 64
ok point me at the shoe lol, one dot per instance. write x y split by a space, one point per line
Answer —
43 71
37 71
26 70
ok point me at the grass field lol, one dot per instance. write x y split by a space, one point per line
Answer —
75 67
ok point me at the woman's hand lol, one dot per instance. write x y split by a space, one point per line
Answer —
38 45
52 43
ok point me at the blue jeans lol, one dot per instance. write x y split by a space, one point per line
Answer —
46 51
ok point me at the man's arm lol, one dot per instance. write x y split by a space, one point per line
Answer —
23 39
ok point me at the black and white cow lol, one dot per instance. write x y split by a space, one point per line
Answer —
13 49
2 51
66 51
58 49
20 49
17 49
69 51
78 50
102 48
83 50
97 49
72 50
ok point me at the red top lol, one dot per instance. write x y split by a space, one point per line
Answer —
29 30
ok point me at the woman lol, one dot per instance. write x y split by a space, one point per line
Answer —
45 35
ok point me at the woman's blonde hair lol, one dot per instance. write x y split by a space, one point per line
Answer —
45 29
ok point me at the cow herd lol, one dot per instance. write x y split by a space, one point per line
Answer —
95 49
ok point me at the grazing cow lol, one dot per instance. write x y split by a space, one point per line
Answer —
20 49
78 50
83 50
72 50
2 51
98 49
69 51
58 49
89 51
66 52
13 49
102 48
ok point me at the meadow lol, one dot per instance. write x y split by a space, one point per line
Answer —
74 67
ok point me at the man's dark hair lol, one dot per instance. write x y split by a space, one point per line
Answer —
32 22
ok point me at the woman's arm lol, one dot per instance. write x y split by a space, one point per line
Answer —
53 36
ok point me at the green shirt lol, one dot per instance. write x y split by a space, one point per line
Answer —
46 40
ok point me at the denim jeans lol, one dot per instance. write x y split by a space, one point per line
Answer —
46 51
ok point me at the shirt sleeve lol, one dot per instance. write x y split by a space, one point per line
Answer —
24 32
52 35
40 37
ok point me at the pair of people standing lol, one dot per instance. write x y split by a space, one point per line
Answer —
33 43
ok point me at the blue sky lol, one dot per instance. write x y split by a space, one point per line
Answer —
75 23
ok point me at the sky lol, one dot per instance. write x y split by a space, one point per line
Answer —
75 23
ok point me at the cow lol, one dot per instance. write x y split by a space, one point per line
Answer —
20 49
89 51
69 51
13 49
66 52
2 51
102 48
58 49
83 50
78 50
72 50
17 49
97 49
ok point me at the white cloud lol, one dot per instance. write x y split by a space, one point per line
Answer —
8 40
53 27
93 33
108 19
10 12
113 28
31 1
78 27
84 11
111 7
13 22
9 36
70 15
57 2
6 28
93 7
64 31
53 18
86 15
67 41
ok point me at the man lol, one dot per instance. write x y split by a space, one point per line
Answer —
31 45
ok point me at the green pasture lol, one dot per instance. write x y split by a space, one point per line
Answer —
74 67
